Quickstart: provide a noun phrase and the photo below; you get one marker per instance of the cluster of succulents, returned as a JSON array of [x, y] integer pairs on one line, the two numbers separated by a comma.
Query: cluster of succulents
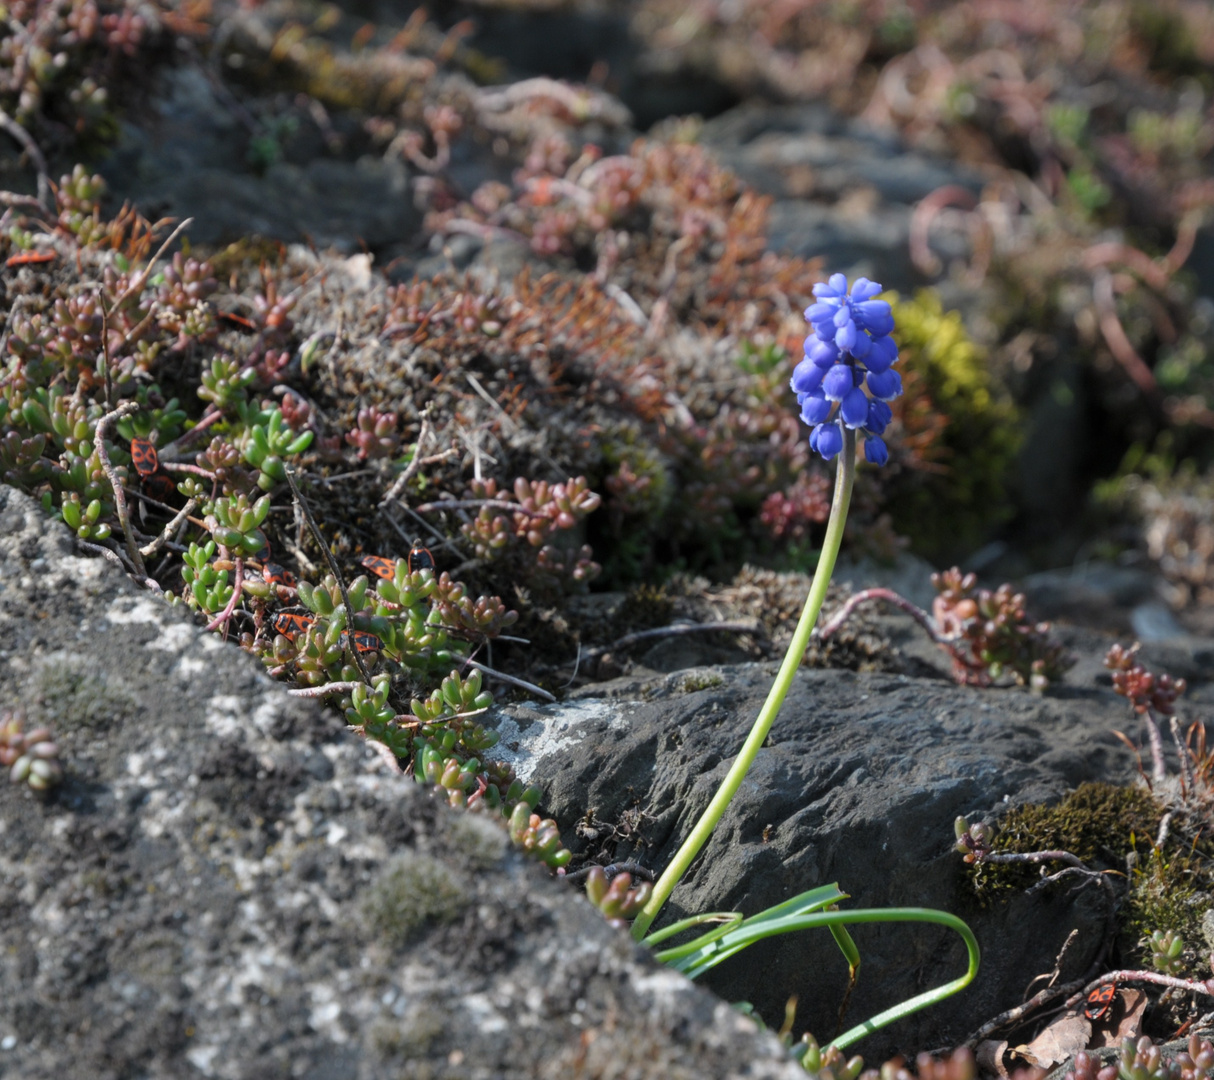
[[992, 636], [1173, 507], [616, 897], [1144, 1059], [1150, 695], [32, 757], [830, 1064], [61, 65], [543, 510], [1145, 691]]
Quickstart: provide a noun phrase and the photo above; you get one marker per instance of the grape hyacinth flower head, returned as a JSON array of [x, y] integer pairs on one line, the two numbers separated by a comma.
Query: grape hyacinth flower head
[[847, 374]]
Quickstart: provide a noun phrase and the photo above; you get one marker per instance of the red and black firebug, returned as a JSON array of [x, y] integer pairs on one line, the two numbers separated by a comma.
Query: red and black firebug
[[364, 641], [291, 625], [1099, 1000], [277, 575], [144, 457], [379, 566]]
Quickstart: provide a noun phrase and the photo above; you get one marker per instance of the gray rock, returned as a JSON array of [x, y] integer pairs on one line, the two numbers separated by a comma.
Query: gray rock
[[228, 884], [843, 190], [859, 783], [189, 158]]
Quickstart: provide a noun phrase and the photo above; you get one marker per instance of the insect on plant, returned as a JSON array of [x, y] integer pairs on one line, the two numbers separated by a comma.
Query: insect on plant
[[1099, 1000], [291, 625], [379, 566], [420, 558]]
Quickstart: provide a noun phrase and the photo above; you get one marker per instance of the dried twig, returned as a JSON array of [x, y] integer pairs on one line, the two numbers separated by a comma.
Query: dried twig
[[674, 630], [1115, 336], [325, 690], [385, 753], [410, 470], [522, 684], [1186, 766], [8, 124], [149, 550], [1206, 987], [1034, 857], [476, 504], [124, 519], [1011, 1016]]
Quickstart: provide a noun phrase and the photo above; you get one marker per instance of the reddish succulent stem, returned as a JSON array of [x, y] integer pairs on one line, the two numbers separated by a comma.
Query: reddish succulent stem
[[917, 613], [181, 467], [1145, 976], [197, 429], [237, 584]]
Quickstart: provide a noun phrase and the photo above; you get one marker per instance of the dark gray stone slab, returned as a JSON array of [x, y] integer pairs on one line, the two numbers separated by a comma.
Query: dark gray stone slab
[[859, 783]]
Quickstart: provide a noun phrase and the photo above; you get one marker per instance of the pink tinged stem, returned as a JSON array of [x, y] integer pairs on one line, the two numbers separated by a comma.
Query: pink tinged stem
[[222, 618]]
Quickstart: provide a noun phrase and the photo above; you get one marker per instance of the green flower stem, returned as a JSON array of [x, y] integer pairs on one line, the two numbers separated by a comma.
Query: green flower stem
[[844, 478]]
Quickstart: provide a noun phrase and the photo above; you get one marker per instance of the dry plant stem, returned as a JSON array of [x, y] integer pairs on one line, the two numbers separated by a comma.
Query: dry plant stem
[[673, 631], [921, 222], [1165, 824], [844, 479], [324, 691], [237, 584], [386, 755], [8, 124], [1158, 769], [144, 276], [1115, 336], [1035, 857], [1186, 770], [167, 532], [476, 504], [12, 198], [920, 616], [917, 613], [334, 569], [1144, 976], [408, 720], [507, 419], [522, 684], [1011, 1016], [189, 436], [105, 553], [1101, 879], [410, 470], [124, 519]]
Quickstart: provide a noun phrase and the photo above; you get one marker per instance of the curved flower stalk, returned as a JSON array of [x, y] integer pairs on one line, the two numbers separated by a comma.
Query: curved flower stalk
[[848, 357], [843, 385]]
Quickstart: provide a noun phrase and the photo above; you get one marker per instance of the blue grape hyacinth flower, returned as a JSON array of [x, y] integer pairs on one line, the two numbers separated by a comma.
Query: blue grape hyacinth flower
[[847, 376]]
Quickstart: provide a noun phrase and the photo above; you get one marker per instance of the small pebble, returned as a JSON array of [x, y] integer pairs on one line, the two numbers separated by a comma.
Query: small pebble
[[8, 1042]]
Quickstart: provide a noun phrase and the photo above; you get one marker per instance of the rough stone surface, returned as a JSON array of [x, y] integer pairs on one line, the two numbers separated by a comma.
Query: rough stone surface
[[229, 885], [859, 783], [188, 157], [843, 190]]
